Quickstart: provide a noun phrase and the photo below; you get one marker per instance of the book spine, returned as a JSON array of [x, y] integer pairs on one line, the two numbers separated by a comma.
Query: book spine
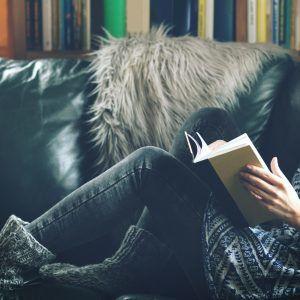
[[297, 25], [252, 21], [29, 6], [55, 24], [47, 27], [86, 24], [282, 11], [224, 29], [69, 37], [293, 21], [275, 18], [210, 15], [288, 23], [38, 25], [201, 18], [269, 21], [262, 21], [115, 17], [185, 17], [61, 25], [241, 20], [137, 16], [76, 19]]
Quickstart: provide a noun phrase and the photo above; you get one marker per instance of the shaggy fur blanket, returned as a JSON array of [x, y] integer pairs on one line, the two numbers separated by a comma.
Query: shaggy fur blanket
[[147, 85]]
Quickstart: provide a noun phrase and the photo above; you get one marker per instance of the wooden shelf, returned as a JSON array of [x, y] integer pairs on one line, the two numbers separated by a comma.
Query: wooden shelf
[[32, 54]]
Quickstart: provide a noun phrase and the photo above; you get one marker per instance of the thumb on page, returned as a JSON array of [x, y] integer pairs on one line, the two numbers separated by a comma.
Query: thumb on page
[[275, 167]]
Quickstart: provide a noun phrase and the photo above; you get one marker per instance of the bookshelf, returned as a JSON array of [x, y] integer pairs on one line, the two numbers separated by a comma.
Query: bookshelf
[[13, 25]]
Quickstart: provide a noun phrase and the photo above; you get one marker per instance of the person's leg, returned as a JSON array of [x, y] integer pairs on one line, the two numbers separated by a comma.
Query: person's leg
[[213, 124]]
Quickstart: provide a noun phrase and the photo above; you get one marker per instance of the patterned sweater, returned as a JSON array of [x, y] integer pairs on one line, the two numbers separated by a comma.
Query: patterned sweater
[[261, 262]]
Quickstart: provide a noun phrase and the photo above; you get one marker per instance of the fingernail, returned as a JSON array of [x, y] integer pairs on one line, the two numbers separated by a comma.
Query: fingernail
[[249, 167]]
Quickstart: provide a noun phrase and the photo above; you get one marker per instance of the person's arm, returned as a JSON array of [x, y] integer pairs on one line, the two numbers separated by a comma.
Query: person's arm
[[273, 191]]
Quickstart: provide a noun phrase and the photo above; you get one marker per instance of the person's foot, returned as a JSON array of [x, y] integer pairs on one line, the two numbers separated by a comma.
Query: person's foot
[[131, 269]]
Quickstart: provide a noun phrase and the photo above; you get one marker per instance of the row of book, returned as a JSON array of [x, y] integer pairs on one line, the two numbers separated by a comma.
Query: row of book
[[70, 24], [58, 24]]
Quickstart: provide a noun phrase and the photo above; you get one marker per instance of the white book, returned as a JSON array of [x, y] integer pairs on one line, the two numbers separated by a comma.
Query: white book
[[86, 12], [47, 25], [225, 162], [209, 22], [252, 20], [297, 26]]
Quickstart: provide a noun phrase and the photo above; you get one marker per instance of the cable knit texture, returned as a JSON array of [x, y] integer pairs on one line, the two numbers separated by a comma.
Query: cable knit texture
[[296, 181], [19, 252], [131, 269]]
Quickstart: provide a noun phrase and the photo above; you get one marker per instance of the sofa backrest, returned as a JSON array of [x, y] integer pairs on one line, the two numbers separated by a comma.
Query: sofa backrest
[[46, 150]]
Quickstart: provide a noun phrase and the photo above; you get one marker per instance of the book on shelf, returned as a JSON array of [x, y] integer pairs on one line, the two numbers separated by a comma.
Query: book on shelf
[[297, 25], [224, 29], [252, 21], [115, 17], [137, 16], [241, 20], [162, 12], [222, 166], [202, 18], [47, 25], [262, 21], [209, 25]]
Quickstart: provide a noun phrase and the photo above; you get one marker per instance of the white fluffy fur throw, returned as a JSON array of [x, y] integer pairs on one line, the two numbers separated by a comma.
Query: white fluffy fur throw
[[147, 85]]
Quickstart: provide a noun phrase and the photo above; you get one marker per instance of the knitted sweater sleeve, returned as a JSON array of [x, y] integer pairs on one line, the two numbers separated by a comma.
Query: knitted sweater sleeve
[[296, 181]]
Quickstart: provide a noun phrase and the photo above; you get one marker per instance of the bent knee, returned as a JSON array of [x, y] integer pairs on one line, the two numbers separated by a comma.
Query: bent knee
[[211, 113], [152, 157]]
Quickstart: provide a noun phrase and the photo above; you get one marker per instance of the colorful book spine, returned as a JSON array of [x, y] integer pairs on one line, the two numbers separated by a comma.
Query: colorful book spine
[[69, 32], [47, 25], [162, 12], [275, 19], [61, 25], [77, 23], [288, 23], [269, 21], [293, 22], [115, 17], [210, 14], [86, 24], [262, 23], [29, 6], [38, 28], [185, 17], [202, 18], [137, 16], [282, 21], [241, 20], [55, 24], [224, 20], [252, 21], [297, 25]]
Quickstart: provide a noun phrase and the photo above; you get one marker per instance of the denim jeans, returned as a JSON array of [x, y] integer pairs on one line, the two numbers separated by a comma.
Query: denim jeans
[[172, 188]]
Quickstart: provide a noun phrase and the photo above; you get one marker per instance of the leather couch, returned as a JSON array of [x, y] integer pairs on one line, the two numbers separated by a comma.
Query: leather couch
[[45, 149]]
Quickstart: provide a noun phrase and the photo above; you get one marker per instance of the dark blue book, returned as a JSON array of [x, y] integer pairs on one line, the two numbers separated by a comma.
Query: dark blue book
[[275, 16], [162, 12], [282, 21], [61, 26], [69, 29], [224, 20], [185, 17]]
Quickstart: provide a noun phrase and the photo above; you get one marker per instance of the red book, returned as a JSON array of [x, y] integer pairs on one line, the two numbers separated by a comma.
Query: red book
[[241, 20]]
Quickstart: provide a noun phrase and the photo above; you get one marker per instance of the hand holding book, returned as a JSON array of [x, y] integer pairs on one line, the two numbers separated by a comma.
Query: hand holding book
[[273, 191], [260, 194]]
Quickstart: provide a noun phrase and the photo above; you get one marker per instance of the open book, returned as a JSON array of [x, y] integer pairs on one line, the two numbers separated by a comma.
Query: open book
[[226, 161]]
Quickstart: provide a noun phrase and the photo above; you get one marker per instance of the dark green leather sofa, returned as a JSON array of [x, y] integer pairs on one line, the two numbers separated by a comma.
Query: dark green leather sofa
[[45, 149]]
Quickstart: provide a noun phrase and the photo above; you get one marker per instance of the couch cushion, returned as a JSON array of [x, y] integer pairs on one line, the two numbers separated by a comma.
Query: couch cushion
[[41, 154]]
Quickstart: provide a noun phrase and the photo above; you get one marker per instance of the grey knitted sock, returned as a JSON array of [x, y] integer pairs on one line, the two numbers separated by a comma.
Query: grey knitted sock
[[19, 252], [131, 269]]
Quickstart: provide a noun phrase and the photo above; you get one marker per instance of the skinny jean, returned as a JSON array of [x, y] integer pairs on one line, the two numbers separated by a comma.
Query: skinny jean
[[172, 190]]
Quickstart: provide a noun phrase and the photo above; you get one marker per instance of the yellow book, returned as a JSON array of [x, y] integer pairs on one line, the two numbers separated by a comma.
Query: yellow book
[[202, 18], [262, 21], [222, 166]]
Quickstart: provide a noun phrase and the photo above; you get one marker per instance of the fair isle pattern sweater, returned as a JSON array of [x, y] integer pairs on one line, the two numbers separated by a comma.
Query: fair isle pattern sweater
[[261, 262]]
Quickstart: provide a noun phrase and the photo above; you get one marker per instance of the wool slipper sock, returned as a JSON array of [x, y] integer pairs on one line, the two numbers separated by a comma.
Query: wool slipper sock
[[131, 269], [19, 252]]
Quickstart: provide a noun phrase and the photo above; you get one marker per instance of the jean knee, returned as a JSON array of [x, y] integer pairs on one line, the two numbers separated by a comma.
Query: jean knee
[[151, 157]]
